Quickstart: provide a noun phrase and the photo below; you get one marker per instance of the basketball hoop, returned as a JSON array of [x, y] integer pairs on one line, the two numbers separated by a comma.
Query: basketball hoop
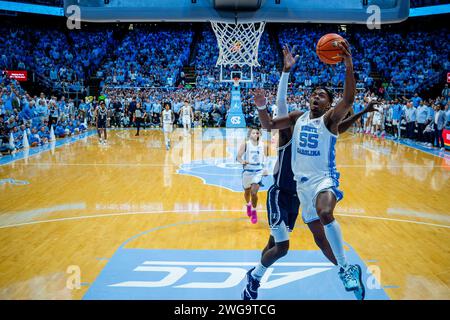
[[236, 81], [238, 44]]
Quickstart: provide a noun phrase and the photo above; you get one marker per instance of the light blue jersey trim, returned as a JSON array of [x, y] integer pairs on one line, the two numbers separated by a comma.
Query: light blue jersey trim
[[332, 160]]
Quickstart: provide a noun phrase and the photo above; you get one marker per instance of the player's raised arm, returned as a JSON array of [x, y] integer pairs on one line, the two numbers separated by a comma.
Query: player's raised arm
[[347, 123], [334, 116], [288, 62], [266, 121]]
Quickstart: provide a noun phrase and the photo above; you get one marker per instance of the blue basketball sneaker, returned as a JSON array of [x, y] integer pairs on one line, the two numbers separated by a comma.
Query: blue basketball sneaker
[[360, 292], [348, 278], [352, 280], [251, 289]]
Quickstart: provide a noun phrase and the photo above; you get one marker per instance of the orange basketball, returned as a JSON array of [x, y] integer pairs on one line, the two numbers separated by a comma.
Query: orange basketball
[[327, 48]]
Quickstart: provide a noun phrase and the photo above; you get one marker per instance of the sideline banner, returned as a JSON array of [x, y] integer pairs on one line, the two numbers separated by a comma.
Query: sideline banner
[[19, 75]]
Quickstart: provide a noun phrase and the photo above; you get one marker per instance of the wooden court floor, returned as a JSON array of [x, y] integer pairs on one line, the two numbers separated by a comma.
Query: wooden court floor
[[80, 202]]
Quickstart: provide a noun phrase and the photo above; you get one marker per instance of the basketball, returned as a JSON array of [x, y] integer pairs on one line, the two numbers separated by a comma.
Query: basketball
[[327, 48]]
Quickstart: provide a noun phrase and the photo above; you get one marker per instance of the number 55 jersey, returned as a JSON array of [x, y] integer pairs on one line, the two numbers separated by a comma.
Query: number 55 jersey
[[314, 163]]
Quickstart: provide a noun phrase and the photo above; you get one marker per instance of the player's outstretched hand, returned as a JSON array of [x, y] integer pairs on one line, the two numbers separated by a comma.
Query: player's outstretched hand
[[346, 53], [260, 98], [288, 58]]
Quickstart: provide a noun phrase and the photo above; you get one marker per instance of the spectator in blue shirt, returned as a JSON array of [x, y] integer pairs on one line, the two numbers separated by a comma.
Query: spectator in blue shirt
[[416, 100], [422, 120], [43, 134], [34, 139], [397, 111], [410, 117]]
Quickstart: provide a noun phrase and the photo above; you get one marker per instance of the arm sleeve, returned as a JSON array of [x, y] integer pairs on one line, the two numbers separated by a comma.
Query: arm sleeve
[[282, 93]]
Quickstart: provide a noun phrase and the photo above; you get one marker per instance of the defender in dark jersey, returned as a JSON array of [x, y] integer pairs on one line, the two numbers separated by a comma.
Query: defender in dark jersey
[[102, 115], [282, 200]]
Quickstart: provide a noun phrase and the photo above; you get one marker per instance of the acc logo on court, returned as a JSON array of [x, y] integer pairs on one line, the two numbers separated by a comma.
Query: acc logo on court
[[236, 120], [216, 275], [219, 275]]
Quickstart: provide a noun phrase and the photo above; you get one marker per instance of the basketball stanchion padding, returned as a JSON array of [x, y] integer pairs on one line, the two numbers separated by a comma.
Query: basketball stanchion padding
[[11, 140], [52, 134], [25, 143], [52, 147]]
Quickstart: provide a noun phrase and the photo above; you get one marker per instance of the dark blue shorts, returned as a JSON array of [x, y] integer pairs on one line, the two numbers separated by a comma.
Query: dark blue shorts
[[282, 206], [101, 124]]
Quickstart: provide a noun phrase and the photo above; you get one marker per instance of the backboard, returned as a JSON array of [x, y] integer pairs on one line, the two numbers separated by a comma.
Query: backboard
[[279, 11]]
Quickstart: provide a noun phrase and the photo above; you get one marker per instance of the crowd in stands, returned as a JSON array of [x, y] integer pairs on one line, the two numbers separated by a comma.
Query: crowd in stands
[[15, 49], [145, 66], [68, 60], [61, 61], [413, 118], [154, 57], [89, 49], [53, 59], [147, 58], [205, 60], [210, 106], [408, 62], [410, 119], [22, 114], [310, 71]]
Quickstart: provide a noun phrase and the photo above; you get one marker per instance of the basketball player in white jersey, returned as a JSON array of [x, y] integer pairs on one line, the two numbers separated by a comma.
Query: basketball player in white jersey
[[167, 118], [282, 200], [187, 115], [314, 166], [376, 119], [251, 155]]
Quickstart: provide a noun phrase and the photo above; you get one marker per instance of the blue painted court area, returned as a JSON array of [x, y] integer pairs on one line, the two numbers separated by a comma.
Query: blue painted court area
[[224, 173], [133, 274], [26, 153]]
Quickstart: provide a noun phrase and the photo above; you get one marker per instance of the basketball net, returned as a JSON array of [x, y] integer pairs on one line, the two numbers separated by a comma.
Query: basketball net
[[238, 42]]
